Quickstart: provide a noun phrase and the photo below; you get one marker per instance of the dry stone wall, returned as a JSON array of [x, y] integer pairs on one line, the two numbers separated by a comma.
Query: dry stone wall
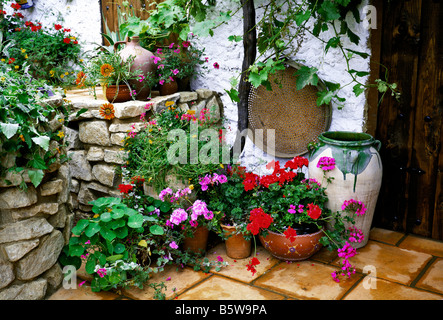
[[35, 225], [96, 145]]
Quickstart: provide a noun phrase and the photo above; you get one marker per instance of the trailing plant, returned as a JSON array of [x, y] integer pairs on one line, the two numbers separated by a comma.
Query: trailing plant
[[31, 127], [52, 52], [174, 142]]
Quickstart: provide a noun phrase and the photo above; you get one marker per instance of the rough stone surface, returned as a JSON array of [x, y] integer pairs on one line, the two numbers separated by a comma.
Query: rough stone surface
[[95, 154], [24, 230], [42, 258], [115, 156], [118, 138], [34, 290], [51, 187], [72, 139], [6, 274], [41, 208], [105, 174], [16, 251], [80, 167], [129, 109], [94, 132], [13, 198], [187, 96]]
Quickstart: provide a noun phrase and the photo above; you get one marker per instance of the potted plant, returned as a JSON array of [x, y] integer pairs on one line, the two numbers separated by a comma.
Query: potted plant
[[290, 215], [113, 73], [224, 192], [175, 65]]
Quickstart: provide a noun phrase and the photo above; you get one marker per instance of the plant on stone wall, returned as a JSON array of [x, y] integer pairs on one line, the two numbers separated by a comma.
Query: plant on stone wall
[[153, 152], [31, 130], [51, 53]]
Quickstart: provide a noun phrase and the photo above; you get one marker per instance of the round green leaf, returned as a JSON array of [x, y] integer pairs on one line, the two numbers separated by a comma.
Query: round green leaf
[[119, 248], [135, 221], [156, 230]]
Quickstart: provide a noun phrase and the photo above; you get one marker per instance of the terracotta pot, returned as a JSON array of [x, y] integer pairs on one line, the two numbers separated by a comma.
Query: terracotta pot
[[237, 247], [143, 61], [198, 242], [357, 174], [168, 88], [302, 248], [120, 93]]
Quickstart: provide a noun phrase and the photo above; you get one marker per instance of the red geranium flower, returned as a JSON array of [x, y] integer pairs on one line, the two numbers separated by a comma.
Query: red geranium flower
[[11, 60], [250, 181], [251, 265], [259, 220], [16, 6], [290, 234], [124, 188], [57, 26], [66, 40], [314, 211]]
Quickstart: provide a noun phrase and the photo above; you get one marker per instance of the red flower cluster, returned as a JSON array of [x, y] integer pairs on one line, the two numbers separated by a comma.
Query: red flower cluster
[[124, 188], [33, 27], [137, 180], [251, 265], [16, 6], [290, 234], [11, 60], [259, 220], [250, 181], [296, 163], [314, 211], [57, 26], [67, 40]]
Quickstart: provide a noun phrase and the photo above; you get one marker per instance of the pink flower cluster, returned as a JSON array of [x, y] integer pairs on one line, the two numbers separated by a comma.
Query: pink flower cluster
[[326, 163], [101, 272], [355, 206], [199, 208], [178, 216], [293, 209], [208, 180], [174, 196]]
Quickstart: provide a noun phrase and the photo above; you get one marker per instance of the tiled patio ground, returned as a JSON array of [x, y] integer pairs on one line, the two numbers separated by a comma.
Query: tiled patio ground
[[392, 266]]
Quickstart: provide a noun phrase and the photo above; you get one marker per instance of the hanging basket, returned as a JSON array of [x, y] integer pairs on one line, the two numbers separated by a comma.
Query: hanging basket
[[292, 113]]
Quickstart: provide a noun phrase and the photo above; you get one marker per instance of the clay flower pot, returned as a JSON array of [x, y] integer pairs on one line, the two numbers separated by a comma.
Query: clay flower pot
[[198, 242], [237, 247], [168, 88], [303, 247], [120, 93]]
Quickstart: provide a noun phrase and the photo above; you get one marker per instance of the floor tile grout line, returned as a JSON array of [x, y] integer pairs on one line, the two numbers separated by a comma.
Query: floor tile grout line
[[423, 271]]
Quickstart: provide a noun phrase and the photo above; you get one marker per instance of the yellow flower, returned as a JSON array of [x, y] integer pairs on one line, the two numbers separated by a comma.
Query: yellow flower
[[169, 103], [96, 216], [2, 79], [23, 50], [221, 165], [143, 243], [2, 60], [190, 112], [191, 187], [107, 111], [61, 120], [26, 56], [61, 76], [66, 73], [16, 67], [52, 72], [106, 70], [22, 138], [150, 141], [61, 134]]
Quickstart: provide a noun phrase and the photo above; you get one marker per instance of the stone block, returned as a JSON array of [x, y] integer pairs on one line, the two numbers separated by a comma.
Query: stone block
[[15, 251], [40, 208], [95, 154], [94, 132], [187, 96], [41, 258], [6, 274], [34, 290], [80, 167], [51, 187], [104, 174], [204, 93], [115, 156], [118, 138], [13, 198], [24, 230], [72, 139]]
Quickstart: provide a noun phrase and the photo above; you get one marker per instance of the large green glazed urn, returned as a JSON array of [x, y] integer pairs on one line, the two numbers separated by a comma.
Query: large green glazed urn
[[357, 174]]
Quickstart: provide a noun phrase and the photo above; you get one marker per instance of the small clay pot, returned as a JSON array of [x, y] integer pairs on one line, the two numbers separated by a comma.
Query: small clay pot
[[120, 93], [237, 247], [198, 242]]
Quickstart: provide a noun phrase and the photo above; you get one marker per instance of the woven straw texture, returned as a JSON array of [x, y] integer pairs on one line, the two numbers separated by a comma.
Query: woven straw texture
[[292, 113]]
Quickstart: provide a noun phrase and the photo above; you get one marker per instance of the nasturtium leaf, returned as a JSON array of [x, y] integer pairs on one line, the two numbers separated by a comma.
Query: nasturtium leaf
[[92, 229], [105, 216], [156, 230], [135, 221], [80, 226], [107, 233], [119, 248]]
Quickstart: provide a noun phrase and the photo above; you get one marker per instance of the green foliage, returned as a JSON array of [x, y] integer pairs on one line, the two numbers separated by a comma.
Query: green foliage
[[52, 52], [25, 131]]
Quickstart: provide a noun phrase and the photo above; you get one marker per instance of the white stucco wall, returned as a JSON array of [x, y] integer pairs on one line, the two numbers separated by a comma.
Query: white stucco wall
[[83, 17], [331, 67]]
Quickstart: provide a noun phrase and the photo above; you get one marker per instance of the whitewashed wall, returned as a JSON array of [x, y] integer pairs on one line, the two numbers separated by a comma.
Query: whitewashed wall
[[83, 17], [331, 66]]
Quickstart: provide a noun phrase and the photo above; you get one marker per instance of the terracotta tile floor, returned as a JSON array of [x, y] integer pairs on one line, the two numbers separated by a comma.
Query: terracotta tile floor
[[392, 266]]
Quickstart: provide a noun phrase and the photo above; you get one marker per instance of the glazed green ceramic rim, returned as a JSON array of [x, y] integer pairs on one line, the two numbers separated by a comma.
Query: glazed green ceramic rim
[[346, 138]]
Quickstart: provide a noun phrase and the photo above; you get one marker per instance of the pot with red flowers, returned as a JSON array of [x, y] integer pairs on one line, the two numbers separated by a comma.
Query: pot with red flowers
[[290, 216]]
